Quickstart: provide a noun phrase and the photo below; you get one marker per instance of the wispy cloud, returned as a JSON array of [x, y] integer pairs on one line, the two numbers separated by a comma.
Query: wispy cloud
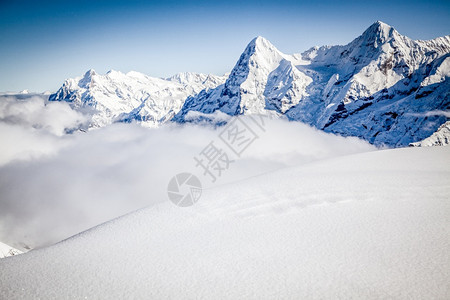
[[31, 127], [432, 113]]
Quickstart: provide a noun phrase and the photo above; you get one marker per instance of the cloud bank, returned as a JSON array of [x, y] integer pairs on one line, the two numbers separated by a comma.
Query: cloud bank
[[30, 126], [54, 185]]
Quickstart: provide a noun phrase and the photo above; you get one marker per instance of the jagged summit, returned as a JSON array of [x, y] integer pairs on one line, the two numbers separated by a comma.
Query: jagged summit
[[380, 28], [260, 43], [378, 33], [381, 25], [244, 89], [89, 73], [87, 78], [261, 49], [113, 72]]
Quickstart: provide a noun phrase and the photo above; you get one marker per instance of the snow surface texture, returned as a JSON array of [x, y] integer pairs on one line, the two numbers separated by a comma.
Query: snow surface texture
[[364, 226], [6, 251], [380, 87]]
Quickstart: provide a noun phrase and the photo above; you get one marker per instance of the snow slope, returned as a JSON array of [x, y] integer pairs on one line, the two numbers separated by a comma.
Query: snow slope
[[364, 226], [119, 97]]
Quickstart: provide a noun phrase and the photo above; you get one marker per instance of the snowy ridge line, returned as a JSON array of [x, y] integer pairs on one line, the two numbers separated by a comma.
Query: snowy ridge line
[[119, 97]]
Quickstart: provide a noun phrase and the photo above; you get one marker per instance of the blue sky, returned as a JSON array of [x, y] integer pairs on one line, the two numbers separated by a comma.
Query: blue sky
[[45, 42]]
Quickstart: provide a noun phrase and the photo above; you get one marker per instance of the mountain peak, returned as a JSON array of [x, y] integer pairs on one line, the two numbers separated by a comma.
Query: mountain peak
[[259, 52], [259, 39], [378, 33], [261, 48], [87, 78], [112, 71], [259, 43], [90, 73], [380, 24]]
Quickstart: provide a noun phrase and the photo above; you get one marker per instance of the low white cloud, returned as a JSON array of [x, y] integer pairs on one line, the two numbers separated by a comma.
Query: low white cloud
[[432, 113], [35, 112], [31, 127], [444, 113], [69, 183]]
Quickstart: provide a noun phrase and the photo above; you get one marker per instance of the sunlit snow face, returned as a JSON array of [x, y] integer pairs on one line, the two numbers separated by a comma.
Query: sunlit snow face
[[55, 185]]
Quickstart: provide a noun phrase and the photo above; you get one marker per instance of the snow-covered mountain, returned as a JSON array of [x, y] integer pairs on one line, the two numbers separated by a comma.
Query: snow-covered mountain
[[263, 79], [132, 96], [381, 87], [6, 251], [378, 87], [440, 138]]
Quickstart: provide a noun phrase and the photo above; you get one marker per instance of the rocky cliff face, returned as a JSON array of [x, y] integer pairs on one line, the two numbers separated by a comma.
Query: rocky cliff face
[[440, 138]]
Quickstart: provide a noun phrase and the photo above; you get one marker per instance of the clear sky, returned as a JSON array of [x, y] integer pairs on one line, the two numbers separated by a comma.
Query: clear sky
[[44, 42]]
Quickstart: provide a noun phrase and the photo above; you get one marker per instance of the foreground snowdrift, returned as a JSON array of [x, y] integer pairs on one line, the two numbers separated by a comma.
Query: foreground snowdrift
[[371, 225]]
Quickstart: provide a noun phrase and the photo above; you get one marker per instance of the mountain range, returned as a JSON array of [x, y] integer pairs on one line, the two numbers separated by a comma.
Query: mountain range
[[382, 87]]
